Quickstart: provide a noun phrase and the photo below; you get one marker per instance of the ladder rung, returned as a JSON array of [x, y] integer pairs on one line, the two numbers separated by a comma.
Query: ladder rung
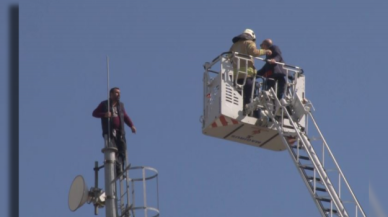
[[304, 157], [320, 189], [328, 211], [316, 179], [324, 199], [300, 147], [306, 167]]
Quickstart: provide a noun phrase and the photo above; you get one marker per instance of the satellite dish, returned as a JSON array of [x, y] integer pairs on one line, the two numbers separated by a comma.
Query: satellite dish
[[78, 194]]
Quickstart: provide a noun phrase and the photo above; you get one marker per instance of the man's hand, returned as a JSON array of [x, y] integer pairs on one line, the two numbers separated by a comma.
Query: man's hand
[[271, 61], [133, 129], [108, 115], [268, 52]]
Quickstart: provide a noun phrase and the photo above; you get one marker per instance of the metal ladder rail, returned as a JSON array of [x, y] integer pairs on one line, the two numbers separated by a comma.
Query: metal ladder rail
[[117, 200], [122, 205], [313, 183], [118, 192], [240, 87], [334, 197], [313, 180], [341, 174], [124, 191], [121, 195], [316, 163], [125, 208], [300, 170], [126, 171], [337, 169], [239, 71]]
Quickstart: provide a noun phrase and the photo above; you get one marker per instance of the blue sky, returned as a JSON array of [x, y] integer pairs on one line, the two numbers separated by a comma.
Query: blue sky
[[156, 51]]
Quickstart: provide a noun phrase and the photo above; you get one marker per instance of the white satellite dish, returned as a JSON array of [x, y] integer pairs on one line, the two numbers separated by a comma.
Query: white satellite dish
[[78, 194]]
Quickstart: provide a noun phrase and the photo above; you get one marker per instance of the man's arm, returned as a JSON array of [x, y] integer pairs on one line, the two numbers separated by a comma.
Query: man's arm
[[98, 112], [128, 121], [252, 50]]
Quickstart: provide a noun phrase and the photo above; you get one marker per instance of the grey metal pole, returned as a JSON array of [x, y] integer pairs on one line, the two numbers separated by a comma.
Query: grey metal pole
[[95, 184], [107, 68], [109, 161]]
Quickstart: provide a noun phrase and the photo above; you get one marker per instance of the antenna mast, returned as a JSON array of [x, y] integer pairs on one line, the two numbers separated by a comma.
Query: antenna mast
[[107, 68], [109, 162], [115, 205]]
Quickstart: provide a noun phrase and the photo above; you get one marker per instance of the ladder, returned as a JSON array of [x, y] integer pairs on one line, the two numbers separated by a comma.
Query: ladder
[[125, 192], [316, 165], [122, 184]]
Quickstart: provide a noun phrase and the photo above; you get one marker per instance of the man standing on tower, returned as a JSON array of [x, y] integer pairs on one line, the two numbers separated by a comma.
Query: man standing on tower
[[117, 117]]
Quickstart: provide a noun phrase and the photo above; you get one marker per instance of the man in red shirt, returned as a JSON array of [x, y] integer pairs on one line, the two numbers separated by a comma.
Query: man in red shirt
[[115, 117]]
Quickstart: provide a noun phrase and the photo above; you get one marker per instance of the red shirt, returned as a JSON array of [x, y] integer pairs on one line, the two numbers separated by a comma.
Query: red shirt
[[99, 113]]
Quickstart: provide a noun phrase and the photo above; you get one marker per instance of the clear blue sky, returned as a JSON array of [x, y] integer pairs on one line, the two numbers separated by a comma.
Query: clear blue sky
[[156, 51]]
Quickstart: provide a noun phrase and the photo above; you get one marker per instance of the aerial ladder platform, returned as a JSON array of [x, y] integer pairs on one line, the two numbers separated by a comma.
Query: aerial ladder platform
[[276, 125]]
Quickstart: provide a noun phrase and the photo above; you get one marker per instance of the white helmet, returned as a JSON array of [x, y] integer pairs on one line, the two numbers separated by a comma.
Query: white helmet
[[250, 32]]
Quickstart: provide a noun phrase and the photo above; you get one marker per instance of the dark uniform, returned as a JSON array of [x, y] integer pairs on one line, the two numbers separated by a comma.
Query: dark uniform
[[274, 72]]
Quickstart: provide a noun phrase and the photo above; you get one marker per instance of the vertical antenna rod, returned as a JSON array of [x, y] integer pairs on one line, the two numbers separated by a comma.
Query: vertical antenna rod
[[109, 160], [107, 66]]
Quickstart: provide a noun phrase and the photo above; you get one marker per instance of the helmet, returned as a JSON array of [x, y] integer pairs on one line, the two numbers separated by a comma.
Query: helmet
[[250, 32]]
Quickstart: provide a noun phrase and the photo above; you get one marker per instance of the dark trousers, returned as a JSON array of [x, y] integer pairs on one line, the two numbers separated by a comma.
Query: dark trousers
[[118, 141], [271, 82], [249, 84], [247, 90]]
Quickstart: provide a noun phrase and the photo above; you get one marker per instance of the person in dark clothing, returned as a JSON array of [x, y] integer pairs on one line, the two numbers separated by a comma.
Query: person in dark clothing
[[115, 117], [271, 71]]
